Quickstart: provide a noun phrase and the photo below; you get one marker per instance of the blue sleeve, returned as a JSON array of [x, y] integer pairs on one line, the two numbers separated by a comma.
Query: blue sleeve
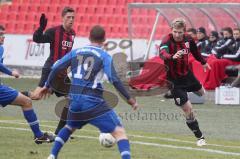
[[5, 70], [64, 62], [1, 54], [113, 78]]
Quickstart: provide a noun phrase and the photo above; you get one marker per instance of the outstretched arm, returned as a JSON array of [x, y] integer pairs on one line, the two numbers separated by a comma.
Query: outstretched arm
[[113, 78], [7, 71], [196, 54], [64, 62]]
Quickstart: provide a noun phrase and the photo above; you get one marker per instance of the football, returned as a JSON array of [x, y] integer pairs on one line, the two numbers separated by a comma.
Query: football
[[107, 140]]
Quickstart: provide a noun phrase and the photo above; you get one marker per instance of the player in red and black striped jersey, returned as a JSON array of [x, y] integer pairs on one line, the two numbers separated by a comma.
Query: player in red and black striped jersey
[[174, 50], [61, 40], [181, 49]]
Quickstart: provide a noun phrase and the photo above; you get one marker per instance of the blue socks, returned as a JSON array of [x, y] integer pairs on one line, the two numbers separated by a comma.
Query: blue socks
[[64, 134], [32, 120], [124, 149], [60, 140]]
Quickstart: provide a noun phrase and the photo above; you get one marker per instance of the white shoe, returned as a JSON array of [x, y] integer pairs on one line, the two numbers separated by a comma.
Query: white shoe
[[51, 157], [201, 142]]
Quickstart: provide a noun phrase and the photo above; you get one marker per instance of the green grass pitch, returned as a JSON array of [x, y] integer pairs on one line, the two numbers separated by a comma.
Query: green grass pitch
[[156, 131]]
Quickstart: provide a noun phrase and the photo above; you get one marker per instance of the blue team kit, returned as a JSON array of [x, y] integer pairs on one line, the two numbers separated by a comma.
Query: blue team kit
[[88, 66], [8, 94]]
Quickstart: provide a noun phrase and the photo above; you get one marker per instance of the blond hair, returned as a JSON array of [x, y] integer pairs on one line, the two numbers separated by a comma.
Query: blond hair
[[178, 23]]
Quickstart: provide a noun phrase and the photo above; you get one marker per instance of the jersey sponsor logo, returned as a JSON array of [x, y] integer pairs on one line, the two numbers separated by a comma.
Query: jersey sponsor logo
[[187, 45], [67, 43]]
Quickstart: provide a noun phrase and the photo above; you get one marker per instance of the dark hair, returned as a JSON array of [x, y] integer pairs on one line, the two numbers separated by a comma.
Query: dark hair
[[2, 27], [228, 29], [66, 10], [202, 30], [97, 34], [215, 34], [193, 30], [238, 29]]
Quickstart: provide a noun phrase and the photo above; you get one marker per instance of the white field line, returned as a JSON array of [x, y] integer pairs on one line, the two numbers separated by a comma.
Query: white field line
[[14, 128], [187, 148], [21, 122], [181, 141], [24, 121], [147, 143], [24, 77]]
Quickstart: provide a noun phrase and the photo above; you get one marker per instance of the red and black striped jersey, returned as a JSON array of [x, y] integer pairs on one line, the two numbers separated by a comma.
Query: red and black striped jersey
[[178, 67], [61, 42]]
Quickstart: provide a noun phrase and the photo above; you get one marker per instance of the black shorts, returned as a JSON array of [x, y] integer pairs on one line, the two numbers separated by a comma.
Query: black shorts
[[59, 87], [182, 85], [44, 76]]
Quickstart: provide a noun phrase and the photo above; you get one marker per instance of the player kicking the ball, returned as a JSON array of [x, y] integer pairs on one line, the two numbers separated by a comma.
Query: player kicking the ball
[[87, 106]]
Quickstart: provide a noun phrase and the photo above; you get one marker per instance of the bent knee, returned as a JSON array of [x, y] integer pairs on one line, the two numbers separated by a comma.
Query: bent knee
[[26, 102], [119, 133], [181, 101]]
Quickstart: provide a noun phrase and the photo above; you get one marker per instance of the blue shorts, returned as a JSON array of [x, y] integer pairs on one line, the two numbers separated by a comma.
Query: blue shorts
[[8, 95], [106, 123]]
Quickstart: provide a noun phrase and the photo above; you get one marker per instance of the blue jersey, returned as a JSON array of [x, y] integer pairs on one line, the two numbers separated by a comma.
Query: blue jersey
[[4, 69], [88, 66], [1, 53], [8, 94]]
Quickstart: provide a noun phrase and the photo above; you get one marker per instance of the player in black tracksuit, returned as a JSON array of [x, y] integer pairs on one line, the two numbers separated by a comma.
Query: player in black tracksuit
[[213, 39], [224, 46], [61, 40], [235, 47], [202, 40]]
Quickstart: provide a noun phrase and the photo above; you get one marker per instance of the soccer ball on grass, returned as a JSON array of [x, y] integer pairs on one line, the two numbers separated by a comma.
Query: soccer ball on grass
[[107, 140]]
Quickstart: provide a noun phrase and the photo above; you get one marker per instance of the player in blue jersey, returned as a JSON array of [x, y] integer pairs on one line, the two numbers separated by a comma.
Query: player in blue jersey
[[11, 96], [87, 106], [2, 37]]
